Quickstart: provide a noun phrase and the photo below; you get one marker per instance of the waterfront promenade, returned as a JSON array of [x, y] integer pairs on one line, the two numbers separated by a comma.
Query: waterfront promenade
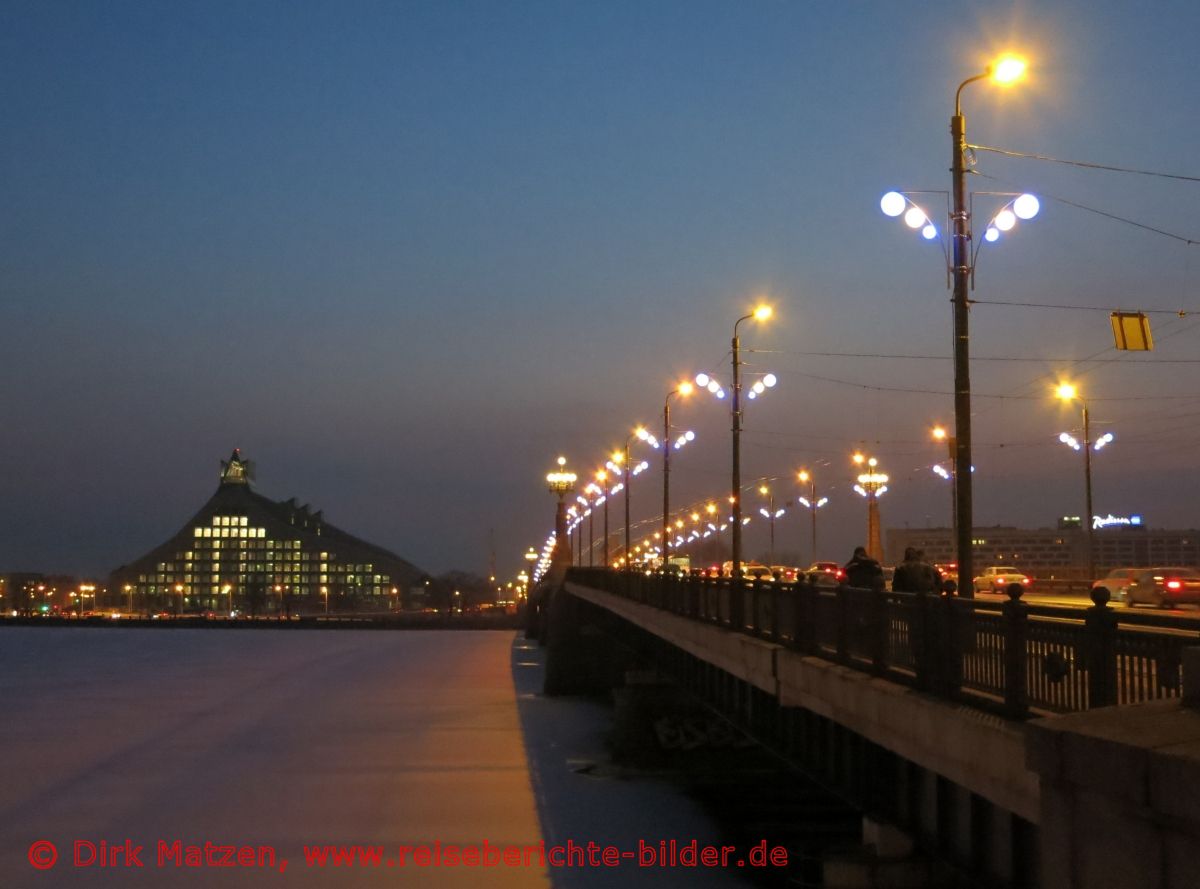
[[286, 740]]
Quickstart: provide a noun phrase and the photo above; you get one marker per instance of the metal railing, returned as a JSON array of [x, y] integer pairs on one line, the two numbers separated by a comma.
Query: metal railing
[[1010, 657]]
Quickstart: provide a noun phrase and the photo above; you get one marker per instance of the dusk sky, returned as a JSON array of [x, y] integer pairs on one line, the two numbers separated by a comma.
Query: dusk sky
[[404, 254]]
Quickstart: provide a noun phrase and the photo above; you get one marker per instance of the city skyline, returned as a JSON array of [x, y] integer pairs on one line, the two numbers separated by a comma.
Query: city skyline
[[406, 257]]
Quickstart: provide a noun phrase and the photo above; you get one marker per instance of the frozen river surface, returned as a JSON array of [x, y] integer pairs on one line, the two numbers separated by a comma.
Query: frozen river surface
[[285, 740]]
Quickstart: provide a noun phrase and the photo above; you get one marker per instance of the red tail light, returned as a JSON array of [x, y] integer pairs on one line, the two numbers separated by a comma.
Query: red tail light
[[1174, 585]]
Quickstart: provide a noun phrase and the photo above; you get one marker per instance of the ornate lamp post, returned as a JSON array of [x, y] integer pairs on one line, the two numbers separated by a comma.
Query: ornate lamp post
[[561, 483], [872, 484]]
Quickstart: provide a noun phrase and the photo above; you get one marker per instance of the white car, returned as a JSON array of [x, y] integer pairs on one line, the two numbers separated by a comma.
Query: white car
[[997, 578]]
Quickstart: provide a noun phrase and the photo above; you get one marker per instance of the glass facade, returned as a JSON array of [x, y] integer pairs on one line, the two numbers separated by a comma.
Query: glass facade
[[247, 553]]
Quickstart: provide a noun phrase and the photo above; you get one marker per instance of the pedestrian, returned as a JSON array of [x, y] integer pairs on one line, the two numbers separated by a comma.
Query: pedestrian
[[915, 575], [862, 570], [933, 577], [906, 579]]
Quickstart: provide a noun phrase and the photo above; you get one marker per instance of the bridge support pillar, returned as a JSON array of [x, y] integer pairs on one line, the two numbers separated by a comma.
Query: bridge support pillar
[[580, 659]]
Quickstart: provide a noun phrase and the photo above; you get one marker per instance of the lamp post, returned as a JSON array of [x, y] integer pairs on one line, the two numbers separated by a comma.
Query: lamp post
[[531, 558], [770, 514], [592, 490], [1005, 70], [683, 390], [812, 503], [621, 463], [561, 482], [939, 434], [1067, 392], [762, 313], [872, 484], [602, 477]]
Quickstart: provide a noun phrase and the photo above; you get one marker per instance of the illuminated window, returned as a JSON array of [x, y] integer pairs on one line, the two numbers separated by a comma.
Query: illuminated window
[[243, 521]]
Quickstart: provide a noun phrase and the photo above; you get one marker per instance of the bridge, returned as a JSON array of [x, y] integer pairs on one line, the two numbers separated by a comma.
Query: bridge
[[1026, 745]]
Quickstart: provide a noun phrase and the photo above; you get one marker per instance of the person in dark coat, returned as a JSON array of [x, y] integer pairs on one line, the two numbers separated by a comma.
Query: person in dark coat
[[862, 570], [914, 574]]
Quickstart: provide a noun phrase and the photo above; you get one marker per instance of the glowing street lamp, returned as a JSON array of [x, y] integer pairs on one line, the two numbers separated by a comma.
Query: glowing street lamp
[[561, 482], [770, 513], [621, 463], [683, 390], [1005, 70], [872, 484], [706, 381], [602, 478], [811, 503], [1067, 392]]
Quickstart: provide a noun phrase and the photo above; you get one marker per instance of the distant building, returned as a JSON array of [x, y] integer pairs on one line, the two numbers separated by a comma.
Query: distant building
[[245, 551], [1056, 552]]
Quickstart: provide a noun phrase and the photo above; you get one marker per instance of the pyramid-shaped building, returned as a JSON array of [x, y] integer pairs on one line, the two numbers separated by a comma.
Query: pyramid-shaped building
[[243, 551]]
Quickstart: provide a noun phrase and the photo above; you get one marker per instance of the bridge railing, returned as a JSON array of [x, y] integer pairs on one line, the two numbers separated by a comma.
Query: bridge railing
[[1009, 656]]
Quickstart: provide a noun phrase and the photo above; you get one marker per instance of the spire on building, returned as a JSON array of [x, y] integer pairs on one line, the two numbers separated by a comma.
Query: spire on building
[[235, 470]]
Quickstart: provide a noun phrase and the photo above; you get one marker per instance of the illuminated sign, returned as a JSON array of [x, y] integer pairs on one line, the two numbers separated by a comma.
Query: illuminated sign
[[1107, 521]]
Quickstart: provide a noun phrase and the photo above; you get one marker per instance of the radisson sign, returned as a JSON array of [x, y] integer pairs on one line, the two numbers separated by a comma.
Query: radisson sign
[[1110, 520]]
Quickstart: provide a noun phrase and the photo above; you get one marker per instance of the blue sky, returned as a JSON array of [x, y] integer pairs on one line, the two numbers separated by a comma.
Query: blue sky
[[404, 254]]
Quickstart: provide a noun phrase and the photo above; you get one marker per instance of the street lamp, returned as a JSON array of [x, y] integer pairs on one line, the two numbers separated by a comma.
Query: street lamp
[[939, 433], [561, 482], [812, 503], [531, 558], [770, 514], [683, 390], [762, 313], [622, 463], [1067, 392], [1005, 70], [602, 477], [872, 484]]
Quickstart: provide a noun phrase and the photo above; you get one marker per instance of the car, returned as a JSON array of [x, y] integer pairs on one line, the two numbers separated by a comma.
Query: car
[[1117, 582], [756, 571], [751, 570], [948, 571], [1163, 587], [826, 574], [998, 578], [784, 573]]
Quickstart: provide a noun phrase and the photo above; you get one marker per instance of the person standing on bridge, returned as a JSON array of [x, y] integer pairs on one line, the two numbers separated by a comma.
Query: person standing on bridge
[[862, 570], [915, 575]]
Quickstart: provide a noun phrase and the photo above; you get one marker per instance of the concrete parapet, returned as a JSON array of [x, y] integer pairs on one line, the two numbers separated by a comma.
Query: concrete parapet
[[1120, 797]]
